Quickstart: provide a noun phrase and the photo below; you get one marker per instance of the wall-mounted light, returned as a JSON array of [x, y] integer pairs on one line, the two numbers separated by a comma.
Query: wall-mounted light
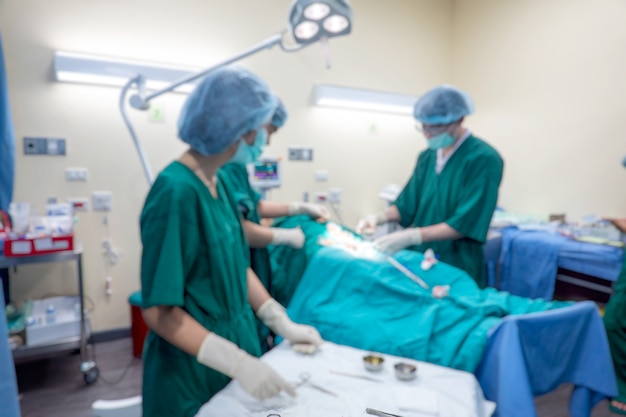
[[92, 69], [360, 99]]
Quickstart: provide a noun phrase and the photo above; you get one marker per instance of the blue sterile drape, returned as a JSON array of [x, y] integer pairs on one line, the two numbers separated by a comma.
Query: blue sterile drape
[[7, 140], [9, 406]]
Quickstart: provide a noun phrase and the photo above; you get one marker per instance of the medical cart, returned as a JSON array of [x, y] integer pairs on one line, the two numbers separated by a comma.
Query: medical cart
[[27, 353]]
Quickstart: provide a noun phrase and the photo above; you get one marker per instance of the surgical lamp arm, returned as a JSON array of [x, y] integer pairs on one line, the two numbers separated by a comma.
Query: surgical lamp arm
[[142, 100]]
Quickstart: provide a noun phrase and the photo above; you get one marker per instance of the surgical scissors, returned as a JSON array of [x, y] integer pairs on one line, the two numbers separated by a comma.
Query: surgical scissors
[[305, 379]]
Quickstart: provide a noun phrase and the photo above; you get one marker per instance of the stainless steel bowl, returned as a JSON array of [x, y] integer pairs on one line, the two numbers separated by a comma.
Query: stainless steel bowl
[[405, 371], [373, 363]]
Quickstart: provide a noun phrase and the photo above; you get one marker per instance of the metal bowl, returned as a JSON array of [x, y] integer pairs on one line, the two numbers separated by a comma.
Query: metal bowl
[[405, 371], [373, 363]]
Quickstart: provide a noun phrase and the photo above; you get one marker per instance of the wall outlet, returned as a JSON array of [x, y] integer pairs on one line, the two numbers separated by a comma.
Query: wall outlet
[[101, 200], [300, 153], [76, 174]]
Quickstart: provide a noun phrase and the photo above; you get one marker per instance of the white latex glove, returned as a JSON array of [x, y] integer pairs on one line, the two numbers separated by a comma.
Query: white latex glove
[[256, 377], [367, 225], [314, 211], [396, 241], [303, 338], [290, 237]]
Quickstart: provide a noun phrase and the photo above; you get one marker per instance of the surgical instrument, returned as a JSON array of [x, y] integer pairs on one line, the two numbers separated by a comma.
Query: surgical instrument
[[367, 378], [380, 413], [305, 379], [407, 272]]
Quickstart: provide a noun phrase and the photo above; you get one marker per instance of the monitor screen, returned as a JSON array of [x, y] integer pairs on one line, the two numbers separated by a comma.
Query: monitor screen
[[266, 170]]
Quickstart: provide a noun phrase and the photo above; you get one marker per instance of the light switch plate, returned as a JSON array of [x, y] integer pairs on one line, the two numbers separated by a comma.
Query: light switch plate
[[76, 174]]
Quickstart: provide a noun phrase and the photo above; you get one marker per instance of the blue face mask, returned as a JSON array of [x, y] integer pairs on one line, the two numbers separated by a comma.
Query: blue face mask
[[443, 140], [247, 154]]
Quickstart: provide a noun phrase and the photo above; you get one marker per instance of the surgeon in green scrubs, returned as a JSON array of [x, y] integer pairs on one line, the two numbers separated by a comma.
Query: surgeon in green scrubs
[[199, 295], [449, 201], [615, 324], [254, 209]]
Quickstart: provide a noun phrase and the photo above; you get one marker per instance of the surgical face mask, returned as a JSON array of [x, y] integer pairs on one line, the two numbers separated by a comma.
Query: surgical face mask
[[247, 154], [442, 140]]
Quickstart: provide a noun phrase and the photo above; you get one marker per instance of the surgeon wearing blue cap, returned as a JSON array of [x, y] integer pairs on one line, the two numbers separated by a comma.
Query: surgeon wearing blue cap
[[253, 210], [449, 201], [199, 297]]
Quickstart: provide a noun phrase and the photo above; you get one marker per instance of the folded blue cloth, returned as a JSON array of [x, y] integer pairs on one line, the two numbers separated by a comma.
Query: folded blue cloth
[[529, 261], [599, 261], [532, 354]]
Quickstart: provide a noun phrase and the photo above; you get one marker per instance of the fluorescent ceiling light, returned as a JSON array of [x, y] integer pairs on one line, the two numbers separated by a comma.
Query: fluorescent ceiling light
[[359, 99], [91, 69]]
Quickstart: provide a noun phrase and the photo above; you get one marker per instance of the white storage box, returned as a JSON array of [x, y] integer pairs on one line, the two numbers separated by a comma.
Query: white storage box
[[53, 320]]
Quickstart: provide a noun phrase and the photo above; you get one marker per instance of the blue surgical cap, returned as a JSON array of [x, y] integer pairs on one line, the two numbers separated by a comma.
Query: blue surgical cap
[[228, 103], [443, 105], [280, 115]]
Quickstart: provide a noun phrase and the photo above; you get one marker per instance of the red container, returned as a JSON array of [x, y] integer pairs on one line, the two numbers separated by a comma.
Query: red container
[[138, 328], [38, 246]]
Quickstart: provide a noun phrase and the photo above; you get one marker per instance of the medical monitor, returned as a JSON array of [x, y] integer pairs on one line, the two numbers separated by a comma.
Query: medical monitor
[[265, 173]]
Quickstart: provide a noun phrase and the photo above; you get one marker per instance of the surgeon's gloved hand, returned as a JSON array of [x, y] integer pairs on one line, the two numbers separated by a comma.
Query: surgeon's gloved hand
[[314, 211], [367, 225], [256, 377], [396, 241], [289, 237], [303, 338]]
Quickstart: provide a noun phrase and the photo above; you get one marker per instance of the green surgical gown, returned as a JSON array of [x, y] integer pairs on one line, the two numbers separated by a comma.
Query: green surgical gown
[[194, 257], [463, 195], [247, 200], [615, 324]]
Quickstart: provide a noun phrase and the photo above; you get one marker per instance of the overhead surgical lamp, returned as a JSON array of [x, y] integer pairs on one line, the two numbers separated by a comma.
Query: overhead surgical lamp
[[313, 20], [310, 21]]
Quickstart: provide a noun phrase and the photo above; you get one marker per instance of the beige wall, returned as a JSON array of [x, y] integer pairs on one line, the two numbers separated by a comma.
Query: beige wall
[[397, 45], [548, 80]]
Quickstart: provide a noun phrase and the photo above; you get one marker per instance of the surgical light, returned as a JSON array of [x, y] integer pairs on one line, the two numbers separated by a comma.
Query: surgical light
[[306, 30], [330, 17], [316, 11], [336, 24]]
